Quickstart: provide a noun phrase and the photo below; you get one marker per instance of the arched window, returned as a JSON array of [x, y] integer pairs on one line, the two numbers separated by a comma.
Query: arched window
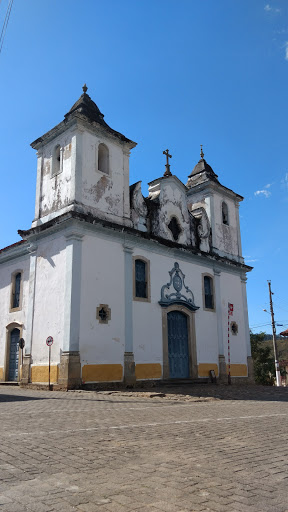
[[208, 292], [103, 158], [141, 279], [16, 290], [56, 163], [225, 218]]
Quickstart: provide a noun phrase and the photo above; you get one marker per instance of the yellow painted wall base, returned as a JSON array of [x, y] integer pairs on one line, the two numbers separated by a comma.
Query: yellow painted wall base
[[1, 373], [102, 372], [41, 374], [148, 371], [237, 370], [204, 368]]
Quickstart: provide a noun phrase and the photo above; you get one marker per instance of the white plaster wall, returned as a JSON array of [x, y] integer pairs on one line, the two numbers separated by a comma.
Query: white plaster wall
[[232, 293], [6, 318], [105, 192], [147, 317], [49, 299], [102, 283], [226, 237], [55, 191]]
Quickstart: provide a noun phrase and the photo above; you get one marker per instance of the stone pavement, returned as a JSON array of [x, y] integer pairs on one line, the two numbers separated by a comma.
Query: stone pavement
[[200, 448]]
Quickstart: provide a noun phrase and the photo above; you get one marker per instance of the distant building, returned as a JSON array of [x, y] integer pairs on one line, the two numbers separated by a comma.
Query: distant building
[[130, 288]]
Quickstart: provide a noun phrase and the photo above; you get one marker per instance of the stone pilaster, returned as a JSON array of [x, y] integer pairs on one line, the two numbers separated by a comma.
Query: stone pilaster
[[129, 363], [129, 369], [222, 377], [70, 365], [250, 365], [70, 370], [26, 370]]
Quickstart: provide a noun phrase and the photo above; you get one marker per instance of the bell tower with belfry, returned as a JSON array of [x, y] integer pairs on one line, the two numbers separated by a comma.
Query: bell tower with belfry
[[83, 166]]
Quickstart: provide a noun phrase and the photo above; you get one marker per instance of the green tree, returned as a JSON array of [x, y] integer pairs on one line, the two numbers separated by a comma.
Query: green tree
[[264, 365]]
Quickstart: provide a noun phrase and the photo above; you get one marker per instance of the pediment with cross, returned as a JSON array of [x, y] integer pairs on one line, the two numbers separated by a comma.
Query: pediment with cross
[[176, 291]]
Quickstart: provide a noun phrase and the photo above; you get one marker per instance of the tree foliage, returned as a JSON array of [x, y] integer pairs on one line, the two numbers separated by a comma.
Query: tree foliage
[[264, 365]]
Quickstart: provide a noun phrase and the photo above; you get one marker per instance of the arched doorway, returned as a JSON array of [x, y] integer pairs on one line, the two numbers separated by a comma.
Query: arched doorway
[[178, 349], [13, 355], [178, 328]]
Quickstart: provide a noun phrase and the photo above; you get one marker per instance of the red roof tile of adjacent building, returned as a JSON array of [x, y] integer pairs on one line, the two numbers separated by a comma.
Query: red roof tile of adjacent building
[[284, 333], [12, 245]]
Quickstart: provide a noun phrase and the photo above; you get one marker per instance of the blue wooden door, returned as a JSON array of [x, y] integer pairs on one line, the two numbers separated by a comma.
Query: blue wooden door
[[14, 354], [178, 352]]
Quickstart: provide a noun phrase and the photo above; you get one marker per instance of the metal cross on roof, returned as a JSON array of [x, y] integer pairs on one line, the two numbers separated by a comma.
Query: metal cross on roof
[[167, 165], [201, 152]]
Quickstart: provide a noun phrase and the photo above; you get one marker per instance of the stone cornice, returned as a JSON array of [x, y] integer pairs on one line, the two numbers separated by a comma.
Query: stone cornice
[[131, 235]]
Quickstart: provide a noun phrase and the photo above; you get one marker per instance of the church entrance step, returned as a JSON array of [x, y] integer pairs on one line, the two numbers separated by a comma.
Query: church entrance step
[[184, 382], [9, 383]]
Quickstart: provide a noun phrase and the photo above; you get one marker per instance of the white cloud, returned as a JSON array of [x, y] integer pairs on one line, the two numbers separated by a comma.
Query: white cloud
[[268, 8], [265, 193], [284, 181], [268, 185], [286, 50]]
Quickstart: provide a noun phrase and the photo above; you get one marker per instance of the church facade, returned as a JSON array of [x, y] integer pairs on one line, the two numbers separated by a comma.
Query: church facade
[[129, 288]]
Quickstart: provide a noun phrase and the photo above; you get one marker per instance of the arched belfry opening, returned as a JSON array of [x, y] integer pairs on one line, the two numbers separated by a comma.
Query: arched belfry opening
[[103, 158], [225, 216]]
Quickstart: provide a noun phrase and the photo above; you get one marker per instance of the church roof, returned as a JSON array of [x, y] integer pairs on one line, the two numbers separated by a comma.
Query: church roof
[[86, 106], [88, 109], [202, 166]]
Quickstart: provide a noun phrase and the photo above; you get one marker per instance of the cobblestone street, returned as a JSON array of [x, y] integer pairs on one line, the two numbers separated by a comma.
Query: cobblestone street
[[206, 448]]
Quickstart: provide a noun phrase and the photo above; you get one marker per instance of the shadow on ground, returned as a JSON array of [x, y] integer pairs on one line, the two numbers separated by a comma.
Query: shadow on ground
[[187, 391]]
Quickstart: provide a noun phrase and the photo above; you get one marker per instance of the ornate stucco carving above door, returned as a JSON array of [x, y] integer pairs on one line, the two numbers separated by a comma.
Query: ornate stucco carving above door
[[176, 292]]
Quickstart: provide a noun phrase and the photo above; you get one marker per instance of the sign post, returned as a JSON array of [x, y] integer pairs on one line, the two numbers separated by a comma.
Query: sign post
[[22, 345], [49, 343]]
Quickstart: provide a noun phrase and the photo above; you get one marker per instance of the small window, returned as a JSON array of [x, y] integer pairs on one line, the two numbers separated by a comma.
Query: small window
[[208, 293], [225, 218], [141, 280], [16, 290], [56, 164], [103, 158]]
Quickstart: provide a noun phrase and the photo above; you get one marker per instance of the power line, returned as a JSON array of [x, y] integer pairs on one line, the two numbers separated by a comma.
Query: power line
[[260, 325], [5, 24]]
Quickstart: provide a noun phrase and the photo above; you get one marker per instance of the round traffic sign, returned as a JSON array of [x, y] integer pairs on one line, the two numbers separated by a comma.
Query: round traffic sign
[[49, 341]]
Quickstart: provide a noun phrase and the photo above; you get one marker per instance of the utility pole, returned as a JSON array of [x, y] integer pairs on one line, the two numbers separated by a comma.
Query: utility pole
[[278, 378]]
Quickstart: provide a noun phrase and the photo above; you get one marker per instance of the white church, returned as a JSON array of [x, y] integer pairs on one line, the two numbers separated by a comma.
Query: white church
[[130, 288]]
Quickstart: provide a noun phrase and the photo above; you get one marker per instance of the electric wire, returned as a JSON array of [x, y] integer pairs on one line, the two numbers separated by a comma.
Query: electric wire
[[5, 23]]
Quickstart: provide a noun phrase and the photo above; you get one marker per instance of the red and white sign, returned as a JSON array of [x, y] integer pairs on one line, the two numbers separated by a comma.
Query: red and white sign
[[49, 341], [230, 309]]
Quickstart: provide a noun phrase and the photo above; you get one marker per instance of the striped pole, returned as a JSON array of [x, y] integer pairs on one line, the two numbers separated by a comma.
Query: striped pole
[[230, 313]]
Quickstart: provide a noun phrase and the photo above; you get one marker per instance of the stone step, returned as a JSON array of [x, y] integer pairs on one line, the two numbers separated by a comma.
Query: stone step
[[185, 382], [9, 383]]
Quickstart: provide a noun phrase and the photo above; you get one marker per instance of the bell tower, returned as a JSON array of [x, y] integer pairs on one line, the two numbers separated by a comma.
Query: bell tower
[[83, 165], [222, 208]]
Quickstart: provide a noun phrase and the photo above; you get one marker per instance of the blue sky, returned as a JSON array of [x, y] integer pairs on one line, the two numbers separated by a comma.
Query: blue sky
[[166, 73]]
